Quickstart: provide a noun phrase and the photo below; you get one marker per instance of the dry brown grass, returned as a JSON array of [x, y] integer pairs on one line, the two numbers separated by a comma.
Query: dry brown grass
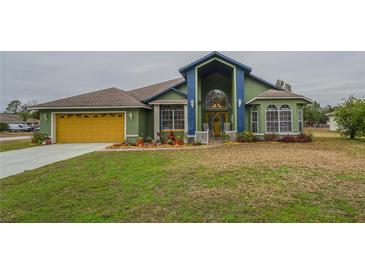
[[322, 181], [318, 154], [14, 134]]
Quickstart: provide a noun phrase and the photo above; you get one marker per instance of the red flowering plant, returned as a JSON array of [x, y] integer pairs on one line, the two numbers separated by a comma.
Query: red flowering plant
[[140, 142], [171, 136]]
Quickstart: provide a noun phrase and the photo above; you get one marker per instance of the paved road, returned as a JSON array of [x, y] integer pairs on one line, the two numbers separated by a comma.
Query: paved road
[[14, 138], [17, 161]]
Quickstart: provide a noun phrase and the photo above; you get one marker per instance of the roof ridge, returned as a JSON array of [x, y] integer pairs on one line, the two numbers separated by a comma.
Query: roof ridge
[[82, 94]]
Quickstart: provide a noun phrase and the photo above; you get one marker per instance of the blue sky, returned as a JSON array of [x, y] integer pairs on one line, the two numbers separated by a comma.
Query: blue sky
[[326, 77]]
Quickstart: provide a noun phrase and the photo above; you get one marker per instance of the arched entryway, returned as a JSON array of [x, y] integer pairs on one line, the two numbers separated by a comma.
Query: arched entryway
[[215, 90], [216, 112]]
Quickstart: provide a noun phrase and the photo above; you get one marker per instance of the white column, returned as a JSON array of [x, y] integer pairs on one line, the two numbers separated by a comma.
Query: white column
[[156, 120], [186, 119]]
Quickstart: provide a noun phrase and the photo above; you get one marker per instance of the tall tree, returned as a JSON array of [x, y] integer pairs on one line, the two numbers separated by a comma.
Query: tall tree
[[350, 117], [314, 114], [13, 107]]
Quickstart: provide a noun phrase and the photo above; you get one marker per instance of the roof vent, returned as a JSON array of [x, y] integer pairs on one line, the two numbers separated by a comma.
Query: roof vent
[[282, 85]]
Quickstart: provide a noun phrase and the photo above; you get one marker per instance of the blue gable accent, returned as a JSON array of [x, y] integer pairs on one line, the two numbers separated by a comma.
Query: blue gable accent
[[191, 97], [240, 97], [211, 55]]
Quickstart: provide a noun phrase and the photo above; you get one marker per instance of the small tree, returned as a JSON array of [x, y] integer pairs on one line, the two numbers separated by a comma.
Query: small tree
[[25, 112], [13, 107], [350, 117], [35, 114]]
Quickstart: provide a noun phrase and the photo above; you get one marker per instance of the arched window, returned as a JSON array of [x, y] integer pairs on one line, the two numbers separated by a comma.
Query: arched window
[[254, 119], [285, 119], [272, 119], [216, 100]]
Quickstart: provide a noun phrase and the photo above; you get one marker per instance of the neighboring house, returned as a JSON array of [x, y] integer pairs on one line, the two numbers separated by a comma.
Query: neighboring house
[[331, 121], [16, 119], [215, 93]]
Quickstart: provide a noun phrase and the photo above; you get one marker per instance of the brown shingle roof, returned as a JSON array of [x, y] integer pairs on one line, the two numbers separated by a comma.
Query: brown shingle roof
[[111, 97], [278, 94], [148, 92]]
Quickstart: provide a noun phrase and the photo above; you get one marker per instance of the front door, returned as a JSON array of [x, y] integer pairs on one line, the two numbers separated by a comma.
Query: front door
[[215, 121], [217, 125]]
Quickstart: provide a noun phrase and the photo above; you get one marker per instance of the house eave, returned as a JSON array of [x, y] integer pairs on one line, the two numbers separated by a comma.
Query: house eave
[[279, 98], [91, 107], [165, 91]]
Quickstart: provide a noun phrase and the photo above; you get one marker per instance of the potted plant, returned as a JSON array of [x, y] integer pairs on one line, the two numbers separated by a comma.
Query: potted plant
[[39, 137], [48, 141]]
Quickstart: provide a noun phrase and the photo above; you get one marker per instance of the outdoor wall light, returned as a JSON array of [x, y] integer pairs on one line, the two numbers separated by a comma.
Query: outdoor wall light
[[130, 115], [192, 103], [239, 103], [45, 117]]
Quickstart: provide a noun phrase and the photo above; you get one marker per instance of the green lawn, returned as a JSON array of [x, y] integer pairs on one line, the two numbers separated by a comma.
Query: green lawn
[[323, 181], [16, 144]]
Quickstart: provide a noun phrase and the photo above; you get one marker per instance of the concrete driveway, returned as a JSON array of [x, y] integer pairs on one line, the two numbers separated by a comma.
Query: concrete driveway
[[17, 161]]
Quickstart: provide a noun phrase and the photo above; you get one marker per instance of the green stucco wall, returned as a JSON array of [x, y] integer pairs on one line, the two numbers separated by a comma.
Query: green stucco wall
[[171, 95], [253, 88], [145, 123]]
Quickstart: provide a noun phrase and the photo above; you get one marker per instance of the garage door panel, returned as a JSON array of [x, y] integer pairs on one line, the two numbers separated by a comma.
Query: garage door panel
[[91, 127]]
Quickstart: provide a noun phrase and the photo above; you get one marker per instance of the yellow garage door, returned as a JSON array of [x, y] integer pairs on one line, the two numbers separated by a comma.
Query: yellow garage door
[[90, 127]]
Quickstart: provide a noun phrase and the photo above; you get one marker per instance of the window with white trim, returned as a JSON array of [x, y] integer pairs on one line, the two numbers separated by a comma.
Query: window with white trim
[[254, 119], [300, 120], [172, 117], [272, 119], [285, 119]]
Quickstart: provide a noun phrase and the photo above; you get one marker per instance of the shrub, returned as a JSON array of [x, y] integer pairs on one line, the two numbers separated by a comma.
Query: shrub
[[39, 137], [4, 127], [246, 136], [197, 143], [148, 139], [304, 137], [271, 137], [288, 139], [171, 136], [190, 140]]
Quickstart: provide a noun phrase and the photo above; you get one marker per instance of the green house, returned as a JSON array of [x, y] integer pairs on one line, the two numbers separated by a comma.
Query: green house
[[215, 95]]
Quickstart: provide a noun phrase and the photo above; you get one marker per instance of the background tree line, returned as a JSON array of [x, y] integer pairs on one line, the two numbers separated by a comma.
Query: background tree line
[[16, 107], [314, 114]]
